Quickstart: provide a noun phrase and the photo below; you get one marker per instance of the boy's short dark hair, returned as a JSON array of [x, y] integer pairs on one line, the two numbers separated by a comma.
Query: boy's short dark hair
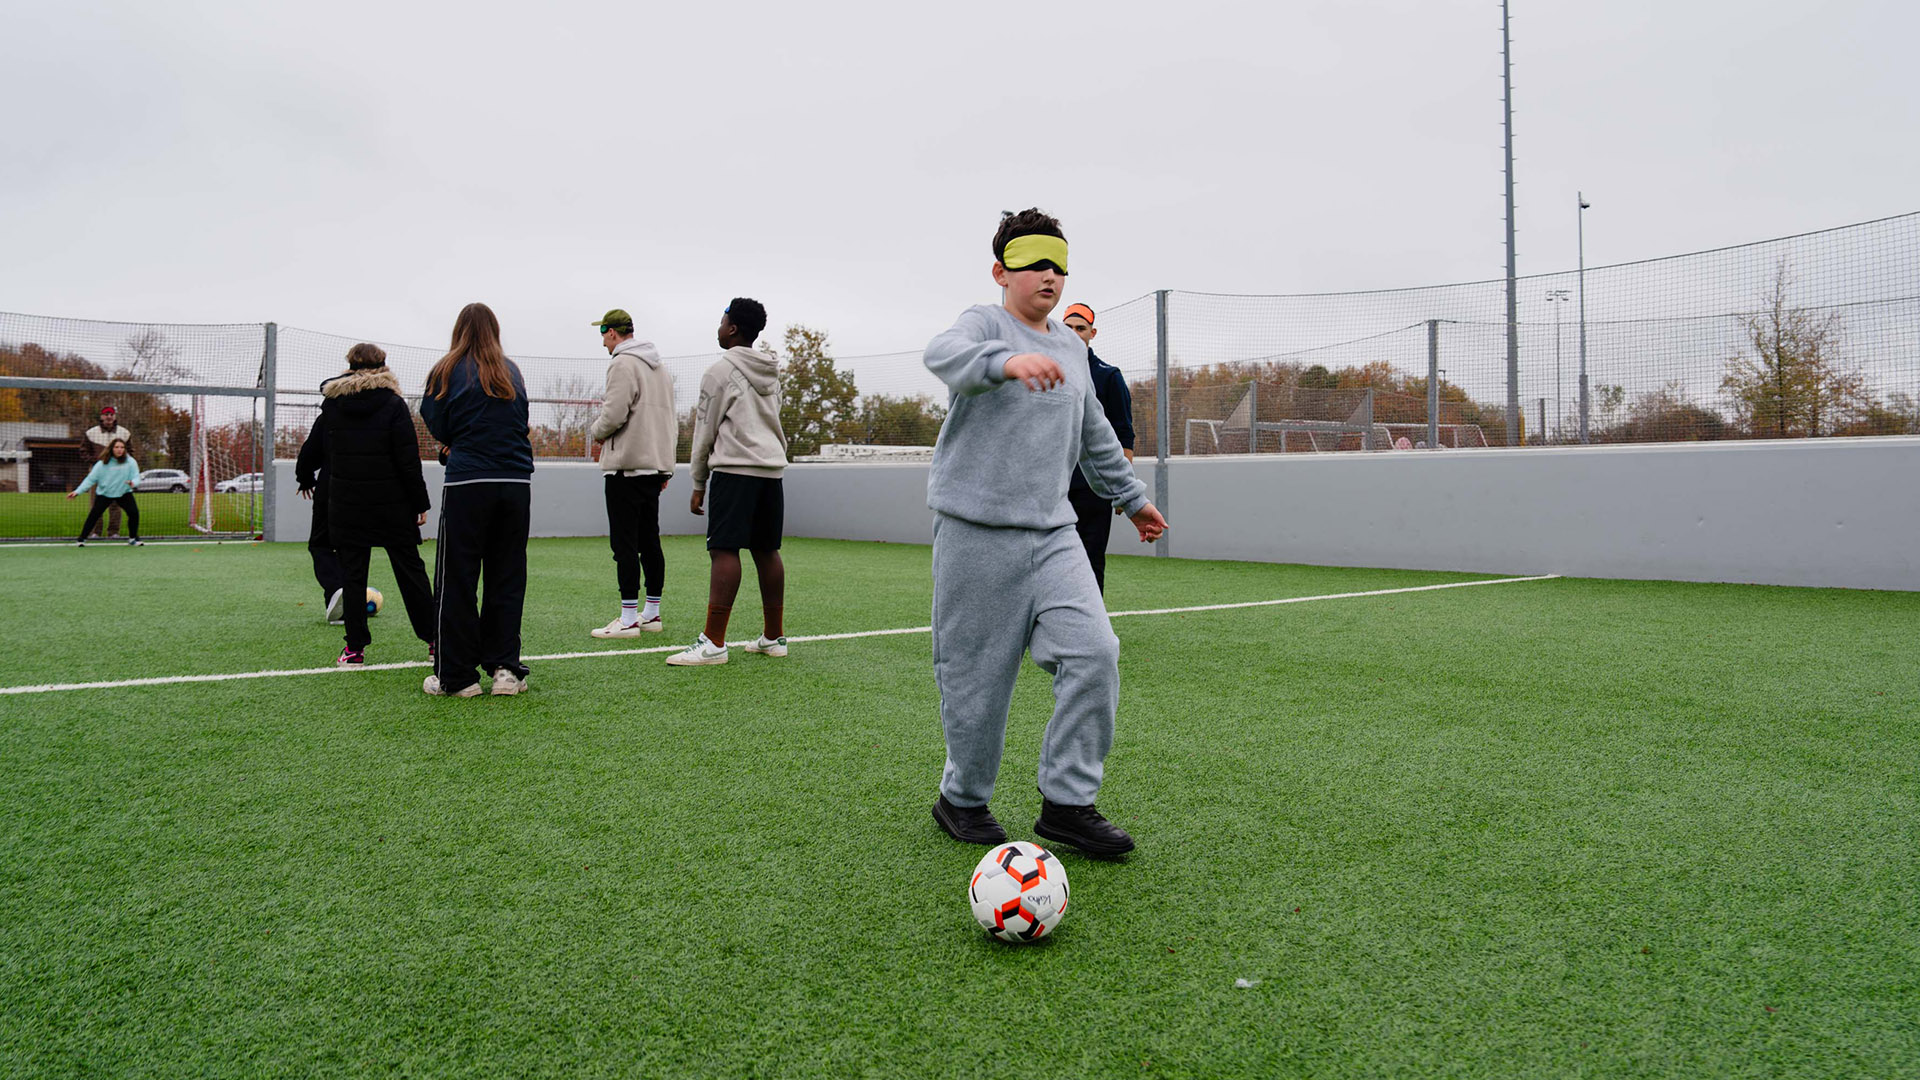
[[366, 355], [747, 316], [1032, 221]]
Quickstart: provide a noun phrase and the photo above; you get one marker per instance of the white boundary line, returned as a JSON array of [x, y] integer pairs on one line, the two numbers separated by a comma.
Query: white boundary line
[[5, 544], [170, 680]]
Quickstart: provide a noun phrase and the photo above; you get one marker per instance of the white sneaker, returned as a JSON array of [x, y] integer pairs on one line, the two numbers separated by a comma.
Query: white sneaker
[[767, 646], [506, 683], [615, 630], [700, 652], [653, 625], [333, 608], [136, 543], [432, 686]]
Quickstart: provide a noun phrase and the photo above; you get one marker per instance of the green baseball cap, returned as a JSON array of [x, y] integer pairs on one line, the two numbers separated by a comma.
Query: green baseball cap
[[616, 318]]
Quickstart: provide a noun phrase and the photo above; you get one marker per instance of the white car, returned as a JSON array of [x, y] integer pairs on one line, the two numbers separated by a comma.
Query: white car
[[246, 482], [163, 480]]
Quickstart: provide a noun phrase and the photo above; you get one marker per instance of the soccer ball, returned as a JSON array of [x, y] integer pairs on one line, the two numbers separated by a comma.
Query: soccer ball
[[374, 600], [1018, 892]]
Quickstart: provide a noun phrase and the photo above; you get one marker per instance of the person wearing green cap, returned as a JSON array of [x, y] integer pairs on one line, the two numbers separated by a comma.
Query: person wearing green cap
[[637, 431]]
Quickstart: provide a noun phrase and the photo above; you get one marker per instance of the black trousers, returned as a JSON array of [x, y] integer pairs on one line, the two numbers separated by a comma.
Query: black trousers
[[483, 546], [99, 507], [326, 566], [416, 592], [633, 531], [1095, 528], [112, 524]]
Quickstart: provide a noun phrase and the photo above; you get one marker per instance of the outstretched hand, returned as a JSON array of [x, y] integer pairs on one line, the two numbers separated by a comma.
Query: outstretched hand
[[73, 494], [1037, 370], [1150, 523]]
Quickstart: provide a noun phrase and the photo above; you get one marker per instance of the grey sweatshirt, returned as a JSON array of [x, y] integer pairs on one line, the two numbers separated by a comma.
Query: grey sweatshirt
[[736, 425], [1005, 453], [637, 426]]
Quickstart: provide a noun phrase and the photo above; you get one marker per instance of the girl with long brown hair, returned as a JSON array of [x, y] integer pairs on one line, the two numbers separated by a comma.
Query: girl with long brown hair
[[111, 480], [476, 405]]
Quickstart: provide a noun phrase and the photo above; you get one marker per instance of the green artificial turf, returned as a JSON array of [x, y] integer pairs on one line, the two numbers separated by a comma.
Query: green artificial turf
[[1561, 828], [51, 515]]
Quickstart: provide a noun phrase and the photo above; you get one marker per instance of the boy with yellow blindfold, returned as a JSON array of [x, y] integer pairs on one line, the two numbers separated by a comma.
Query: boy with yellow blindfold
[[1009, 573]]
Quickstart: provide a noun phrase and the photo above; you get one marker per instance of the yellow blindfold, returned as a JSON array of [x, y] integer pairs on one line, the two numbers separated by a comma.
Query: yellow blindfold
[[1027, 252]]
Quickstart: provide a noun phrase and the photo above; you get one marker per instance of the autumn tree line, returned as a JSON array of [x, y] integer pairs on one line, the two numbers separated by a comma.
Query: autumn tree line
[[1789, 379]]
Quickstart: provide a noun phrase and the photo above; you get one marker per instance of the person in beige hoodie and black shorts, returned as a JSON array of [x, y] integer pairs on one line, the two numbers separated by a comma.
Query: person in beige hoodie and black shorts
[[739, 447], [636, 430]]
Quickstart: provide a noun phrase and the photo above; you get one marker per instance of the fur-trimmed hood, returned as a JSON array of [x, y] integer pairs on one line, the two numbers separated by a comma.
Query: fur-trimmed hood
[[359, 381]]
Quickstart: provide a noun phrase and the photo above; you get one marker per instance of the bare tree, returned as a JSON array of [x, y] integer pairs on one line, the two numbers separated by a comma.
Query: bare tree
[[1793, 384], [150, 357]]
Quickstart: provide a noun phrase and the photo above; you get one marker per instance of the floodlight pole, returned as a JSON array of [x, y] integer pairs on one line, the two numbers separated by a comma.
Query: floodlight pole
[[1513, 299], [1580, 214]]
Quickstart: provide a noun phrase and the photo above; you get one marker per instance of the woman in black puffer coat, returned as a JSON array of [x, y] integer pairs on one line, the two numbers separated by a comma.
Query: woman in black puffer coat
[[376, 495]]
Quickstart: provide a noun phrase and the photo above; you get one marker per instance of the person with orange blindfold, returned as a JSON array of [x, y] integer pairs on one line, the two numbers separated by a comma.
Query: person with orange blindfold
[[1096, 514]]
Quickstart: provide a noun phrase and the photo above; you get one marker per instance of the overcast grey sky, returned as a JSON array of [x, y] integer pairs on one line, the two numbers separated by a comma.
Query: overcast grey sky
[[366, 168]]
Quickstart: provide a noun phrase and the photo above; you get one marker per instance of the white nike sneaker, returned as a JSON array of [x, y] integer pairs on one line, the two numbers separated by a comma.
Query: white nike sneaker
[[506, 683], [432, 686], [615, 630], [333, 608], [767, 646], [700, 652]]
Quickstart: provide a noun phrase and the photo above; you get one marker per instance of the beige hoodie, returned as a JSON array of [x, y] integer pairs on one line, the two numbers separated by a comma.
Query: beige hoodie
[[636, 425], [736, 427]]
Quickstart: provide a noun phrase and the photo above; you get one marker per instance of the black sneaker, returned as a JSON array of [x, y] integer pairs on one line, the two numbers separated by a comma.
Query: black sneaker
[[351, 657], [968, 824], [1082, 827]]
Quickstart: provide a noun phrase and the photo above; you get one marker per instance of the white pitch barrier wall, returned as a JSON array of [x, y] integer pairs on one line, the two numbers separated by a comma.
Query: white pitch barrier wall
[[1839, 513], [568, 500]]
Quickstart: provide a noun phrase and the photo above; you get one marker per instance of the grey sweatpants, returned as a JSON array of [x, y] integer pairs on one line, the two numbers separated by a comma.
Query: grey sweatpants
[[996, 593]]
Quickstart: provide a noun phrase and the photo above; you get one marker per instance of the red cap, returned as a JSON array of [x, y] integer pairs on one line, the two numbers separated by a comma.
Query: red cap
[[1081, 310]]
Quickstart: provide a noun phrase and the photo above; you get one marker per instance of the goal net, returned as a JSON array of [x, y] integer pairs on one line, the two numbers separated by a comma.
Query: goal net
[[185, 398]]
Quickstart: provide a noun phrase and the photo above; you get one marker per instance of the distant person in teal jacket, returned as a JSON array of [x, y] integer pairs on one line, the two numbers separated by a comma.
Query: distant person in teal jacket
[[111, 480]]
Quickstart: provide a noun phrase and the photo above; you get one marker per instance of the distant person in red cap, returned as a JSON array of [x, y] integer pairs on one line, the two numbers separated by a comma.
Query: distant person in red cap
[[101, 435], [1096, 516]]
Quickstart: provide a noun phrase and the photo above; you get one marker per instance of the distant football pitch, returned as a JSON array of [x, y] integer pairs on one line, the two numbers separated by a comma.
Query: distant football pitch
[[51, 515], [1542, 828]]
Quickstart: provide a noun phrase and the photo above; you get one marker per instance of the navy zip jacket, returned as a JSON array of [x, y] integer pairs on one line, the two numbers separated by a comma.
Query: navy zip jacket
[[488, 436], [1111, 388]]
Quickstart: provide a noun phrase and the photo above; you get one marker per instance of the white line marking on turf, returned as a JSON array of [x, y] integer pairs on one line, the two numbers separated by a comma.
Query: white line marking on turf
[[169, 680], [4, 545], [1330, 596]]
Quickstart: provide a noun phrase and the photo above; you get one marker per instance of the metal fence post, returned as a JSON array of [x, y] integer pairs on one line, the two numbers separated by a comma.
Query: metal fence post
[[1253, 417], [269, 381], [1163, 409], [1433, 384]]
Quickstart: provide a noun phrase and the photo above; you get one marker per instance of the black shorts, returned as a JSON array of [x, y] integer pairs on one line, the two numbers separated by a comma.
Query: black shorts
[[744, 512]]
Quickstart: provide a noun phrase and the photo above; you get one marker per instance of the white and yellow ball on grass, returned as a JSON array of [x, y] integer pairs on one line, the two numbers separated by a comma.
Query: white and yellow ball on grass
[[1018, 892], [374, 600]]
